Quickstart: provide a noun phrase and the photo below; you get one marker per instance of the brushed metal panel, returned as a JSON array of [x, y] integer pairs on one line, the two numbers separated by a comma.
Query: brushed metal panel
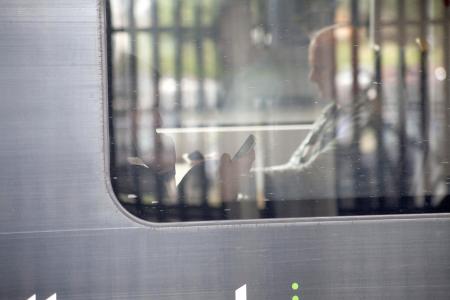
[[51, 112], [61, 232], [396, 259]]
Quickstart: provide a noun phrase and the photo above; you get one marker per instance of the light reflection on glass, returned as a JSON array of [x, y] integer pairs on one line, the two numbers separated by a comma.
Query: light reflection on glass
[[347, 100]]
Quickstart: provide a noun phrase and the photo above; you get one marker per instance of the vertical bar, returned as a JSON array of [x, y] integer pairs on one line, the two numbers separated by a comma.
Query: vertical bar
[[354, 48], [338, 151], [424, 99], [134, 107], [156, 54], [402, 172], [198, 16], [178, 60], [199, 37], [155, 71], [206, 213], [355, 95], [177, 17], [377, 44], [332, 79], [446, 53]]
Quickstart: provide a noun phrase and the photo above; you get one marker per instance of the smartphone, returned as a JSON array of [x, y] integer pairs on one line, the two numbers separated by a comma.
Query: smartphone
[[246, 147]]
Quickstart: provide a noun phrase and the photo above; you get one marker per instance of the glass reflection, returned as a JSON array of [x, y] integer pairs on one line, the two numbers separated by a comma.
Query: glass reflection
[[348, 108]]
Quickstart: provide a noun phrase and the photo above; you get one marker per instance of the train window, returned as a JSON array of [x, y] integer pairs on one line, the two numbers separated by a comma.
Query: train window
[[245, 109]]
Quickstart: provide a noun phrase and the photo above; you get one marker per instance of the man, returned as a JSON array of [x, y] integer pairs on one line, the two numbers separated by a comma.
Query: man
[[310, 172]]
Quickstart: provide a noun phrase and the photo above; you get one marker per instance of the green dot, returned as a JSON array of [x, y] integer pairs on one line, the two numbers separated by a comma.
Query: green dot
[[295, 298], [295, 286]]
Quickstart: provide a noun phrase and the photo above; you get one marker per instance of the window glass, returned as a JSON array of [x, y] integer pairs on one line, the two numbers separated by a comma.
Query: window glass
[[244, 109]]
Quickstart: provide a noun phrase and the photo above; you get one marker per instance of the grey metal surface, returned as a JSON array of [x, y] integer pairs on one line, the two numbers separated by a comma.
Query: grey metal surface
[[60, 231], [342, 260], [51, 112]]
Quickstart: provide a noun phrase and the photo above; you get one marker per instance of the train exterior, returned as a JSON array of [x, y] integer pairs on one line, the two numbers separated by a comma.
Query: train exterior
[[64, 233]]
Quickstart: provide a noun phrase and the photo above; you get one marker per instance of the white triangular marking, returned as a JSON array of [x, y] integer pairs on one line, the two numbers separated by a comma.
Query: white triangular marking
[[32, 297], [52, 297], [241, 293]]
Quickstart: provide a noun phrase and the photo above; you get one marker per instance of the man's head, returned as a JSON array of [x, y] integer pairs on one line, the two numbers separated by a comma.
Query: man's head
[[321, 61]]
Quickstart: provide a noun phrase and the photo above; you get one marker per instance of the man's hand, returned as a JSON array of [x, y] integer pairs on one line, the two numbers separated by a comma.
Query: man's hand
[[230, 173]]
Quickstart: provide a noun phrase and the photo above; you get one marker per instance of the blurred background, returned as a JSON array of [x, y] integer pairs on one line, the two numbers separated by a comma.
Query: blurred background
[[204, 74]]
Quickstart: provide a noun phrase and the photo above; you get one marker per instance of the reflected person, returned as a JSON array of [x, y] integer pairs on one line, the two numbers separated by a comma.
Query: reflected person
[[310, 173]]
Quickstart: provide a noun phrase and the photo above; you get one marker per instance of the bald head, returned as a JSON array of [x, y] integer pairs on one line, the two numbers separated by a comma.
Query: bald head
[[321, 61]]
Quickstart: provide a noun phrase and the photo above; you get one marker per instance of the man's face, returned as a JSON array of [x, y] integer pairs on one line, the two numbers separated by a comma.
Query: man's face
[[321, 64]]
